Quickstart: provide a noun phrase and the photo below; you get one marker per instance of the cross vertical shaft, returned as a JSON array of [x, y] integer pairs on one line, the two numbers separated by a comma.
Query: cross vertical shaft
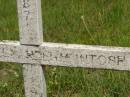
[[30, 25], [30, 22]]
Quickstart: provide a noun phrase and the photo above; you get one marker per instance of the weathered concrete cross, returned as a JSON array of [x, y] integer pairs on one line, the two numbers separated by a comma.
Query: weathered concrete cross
[[32, 53]]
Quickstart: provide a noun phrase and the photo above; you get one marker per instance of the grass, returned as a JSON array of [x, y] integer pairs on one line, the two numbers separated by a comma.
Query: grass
[[95, 22]]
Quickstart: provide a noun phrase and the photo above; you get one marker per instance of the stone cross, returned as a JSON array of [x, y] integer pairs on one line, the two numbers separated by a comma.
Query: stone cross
[[33, 53]]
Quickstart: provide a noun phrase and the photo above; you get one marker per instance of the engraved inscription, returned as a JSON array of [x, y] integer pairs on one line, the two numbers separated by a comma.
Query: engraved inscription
[[33, 54], [26, 11], [79, 58]]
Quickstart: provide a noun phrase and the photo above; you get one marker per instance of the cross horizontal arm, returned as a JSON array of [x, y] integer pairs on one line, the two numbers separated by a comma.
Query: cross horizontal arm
[[70, 55]]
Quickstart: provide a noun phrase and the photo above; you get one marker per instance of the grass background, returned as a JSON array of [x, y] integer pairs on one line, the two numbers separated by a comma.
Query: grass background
[[95, 22]]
